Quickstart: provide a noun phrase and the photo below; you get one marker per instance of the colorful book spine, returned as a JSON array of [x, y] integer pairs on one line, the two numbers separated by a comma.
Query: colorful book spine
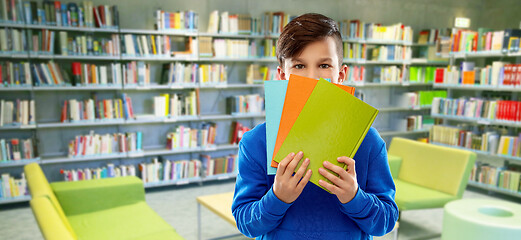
[[185, 137], [96, 144], [109, 171]]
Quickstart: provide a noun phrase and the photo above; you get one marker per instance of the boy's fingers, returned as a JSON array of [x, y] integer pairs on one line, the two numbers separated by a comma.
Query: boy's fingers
[[330, 187], [350, 163], [284, 163], [302, 169], [334, 179], [336, 169], [294, 162], [304, 180]]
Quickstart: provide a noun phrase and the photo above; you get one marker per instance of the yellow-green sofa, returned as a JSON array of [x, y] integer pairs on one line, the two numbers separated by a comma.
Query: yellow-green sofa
[[427, 175], [112, 208]]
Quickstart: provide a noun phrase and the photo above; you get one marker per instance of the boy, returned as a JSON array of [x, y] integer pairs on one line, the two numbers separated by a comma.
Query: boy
[[284, 206]]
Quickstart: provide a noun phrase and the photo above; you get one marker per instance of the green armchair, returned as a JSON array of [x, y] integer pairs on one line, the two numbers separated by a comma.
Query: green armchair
[[112, 208], [427, 175]]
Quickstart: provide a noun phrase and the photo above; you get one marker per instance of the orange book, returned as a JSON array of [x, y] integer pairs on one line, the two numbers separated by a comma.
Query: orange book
[[293, 105], [94, 79], [53, 75], [468, 77], [153, 44]]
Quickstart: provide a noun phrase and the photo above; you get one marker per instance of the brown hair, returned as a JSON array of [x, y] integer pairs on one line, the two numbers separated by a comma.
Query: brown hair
[[306, 29]]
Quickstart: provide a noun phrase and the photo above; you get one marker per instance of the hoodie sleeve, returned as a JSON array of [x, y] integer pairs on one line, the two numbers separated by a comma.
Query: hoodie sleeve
[[373, 209], [255, 207]]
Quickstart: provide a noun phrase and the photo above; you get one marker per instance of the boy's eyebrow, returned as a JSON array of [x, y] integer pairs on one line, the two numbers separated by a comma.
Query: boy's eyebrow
[[320, 60], [325, 59], [296, 60]]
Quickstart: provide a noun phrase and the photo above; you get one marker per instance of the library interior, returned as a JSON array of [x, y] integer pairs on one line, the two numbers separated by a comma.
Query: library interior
[[226, 119]]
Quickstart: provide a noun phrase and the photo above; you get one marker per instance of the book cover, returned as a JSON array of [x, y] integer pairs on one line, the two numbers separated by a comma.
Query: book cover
[[325, 131], [299, 90], [275, 93]]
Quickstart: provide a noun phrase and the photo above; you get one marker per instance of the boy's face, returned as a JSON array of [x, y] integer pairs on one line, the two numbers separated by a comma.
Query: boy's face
[[319, 59]]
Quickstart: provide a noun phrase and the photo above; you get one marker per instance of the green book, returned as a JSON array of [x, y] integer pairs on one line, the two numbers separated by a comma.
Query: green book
[[333, 123], [429, 74], [440, 93], [413, 74]]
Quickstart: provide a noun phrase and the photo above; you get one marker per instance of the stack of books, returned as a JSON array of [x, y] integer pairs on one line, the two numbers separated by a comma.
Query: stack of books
[[294, 105]]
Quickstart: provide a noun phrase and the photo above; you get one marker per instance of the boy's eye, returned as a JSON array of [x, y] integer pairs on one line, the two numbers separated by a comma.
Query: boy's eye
[[325, 66], [299, 66]]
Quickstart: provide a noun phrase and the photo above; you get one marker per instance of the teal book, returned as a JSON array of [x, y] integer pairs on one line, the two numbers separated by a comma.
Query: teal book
[[275, 93], [139, 140]]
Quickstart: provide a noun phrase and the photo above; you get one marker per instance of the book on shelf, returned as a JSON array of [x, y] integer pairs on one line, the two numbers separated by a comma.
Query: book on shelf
[[162, 170], [234, 23], [354, 51], [243, 104], [178, 20], [414, 123], [147, 45], [84, 74], [396, 32], [234, 48], [419, 74], [504, 177], [15, 74], [128, 110], [58, 13], [390, 53], [96, 144], [108, 171], [176, 104], [19, 112], [356, 29], [420, 98], [49, 73], [497, 74], [256, 73], [485, 39], [13, 40], [92, 109], [272, 23], [210, 74], [11, 187], [237, 130], [219, 165], [355, 74], [17, 149], [185, 137], [87, 45], [205, 47], [11, 11], [41, 42], [179, 73], [390, 74], [478, 108], [485, 140]]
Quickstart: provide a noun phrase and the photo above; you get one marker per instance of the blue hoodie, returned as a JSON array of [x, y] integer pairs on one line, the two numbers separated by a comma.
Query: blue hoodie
[[316, 214]]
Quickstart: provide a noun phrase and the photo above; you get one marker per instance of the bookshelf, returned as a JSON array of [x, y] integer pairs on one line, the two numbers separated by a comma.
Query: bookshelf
[[484, 88], [211, 111]]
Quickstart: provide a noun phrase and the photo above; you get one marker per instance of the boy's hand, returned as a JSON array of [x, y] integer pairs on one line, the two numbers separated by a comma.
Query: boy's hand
[[345, 185], [287, 187]]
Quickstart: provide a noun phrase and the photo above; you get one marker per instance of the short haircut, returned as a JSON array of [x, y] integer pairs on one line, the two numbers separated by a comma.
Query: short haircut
[[306, 29]]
